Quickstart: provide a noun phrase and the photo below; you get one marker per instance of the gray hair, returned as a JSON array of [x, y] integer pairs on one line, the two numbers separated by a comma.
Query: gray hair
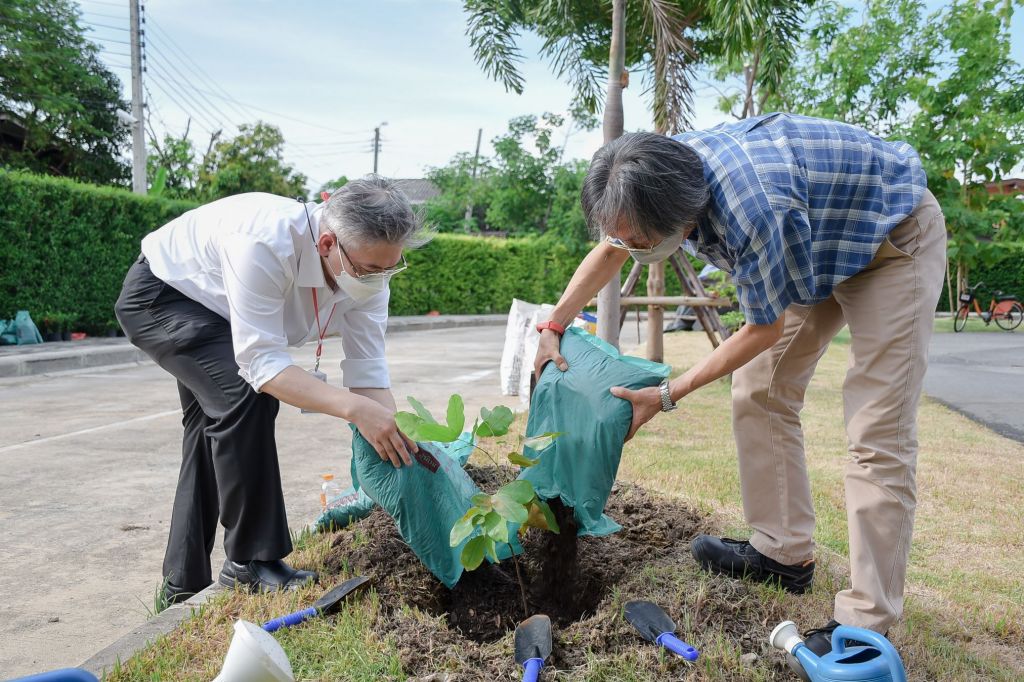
[[652, 182], [372, 210]]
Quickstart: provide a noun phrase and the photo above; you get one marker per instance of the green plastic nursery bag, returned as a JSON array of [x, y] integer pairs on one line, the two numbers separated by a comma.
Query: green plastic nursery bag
[[580, 465]]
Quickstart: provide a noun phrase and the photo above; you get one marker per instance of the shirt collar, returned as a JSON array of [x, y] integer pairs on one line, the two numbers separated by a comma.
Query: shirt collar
[[310, 273]]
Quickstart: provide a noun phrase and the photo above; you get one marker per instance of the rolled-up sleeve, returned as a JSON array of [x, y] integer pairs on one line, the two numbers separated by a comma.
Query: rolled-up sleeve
[[362, 338], [255, 280]]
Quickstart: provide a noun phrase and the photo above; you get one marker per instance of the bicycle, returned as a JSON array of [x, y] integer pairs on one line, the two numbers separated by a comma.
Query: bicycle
[[1005, 309]]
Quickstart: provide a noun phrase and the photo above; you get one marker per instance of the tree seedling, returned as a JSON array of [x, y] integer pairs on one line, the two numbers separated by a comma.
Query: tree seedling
[[513, 503]]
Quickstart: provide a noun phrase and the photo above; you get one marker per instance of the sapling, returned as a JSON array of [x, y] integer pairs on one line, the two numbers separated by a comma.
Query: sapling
[[515, 502]]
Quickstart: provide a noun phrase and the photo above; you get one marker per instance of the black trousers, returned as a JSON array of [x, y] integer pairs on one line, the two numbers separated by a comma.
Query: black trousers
[[229, 462]]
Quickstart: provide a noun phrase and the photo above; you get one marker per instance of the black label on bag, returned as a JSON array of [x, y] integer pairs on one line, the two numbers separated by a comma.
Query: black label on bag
[[428, 461]]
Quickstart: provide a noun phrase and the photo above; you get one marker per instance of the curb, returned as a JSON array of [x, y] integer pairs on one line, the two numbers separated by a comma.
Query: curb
[[123, 353], [124, 648]]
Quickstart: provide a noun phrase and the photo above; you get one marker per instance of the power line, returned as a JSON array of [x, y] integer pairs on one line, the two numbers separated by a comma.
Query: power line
[[198, 111], [92, 26], [116, 54], [198, 70], [224, 95], [198, 122], [101, 2], [165, 61], [204, 104], [110, 40], [98, 14]]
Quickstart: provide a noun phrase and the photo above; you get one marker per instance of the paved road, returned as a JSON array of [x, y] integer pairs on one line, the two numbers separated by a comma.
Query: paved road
[[89, 465], [980, 374]]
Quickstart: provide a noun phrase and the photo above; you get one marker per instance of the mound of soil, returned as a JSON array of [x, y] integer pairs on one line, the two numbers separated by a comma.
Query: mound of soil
[[580, 583]]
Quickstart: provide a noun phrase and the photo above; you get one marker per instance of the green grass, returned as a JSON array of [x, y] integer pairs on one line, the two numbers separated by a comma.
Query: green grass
[[964, 607]]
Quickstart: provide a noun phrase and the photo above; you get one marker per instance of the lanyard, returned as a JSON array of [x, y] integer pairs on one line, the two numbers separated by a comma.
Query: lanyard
[[321, 331]]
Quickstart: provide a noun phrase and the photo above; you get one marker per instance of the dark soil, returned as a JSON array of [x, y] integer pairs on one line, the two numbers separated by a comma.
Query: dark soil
[[580, 583]]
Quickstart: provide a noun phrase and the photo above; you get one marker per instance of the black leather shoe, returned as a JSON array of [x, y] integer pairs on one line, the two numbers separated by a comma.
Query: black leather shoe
[[819, 640], [174, 594], [737, 558], [264, 576]]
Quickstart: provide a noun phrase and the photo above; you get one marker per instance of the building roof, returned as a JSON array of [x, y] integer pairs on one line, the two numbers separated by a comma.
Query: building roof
[[1006, 186], [419, 190]]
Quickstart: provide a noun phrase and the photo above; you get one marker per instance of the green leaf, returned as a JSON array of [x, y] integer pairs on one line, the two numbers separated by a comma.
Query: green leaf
[[538, 443], [491, 550], [456, 416], [419, 430], [495, 527], [482, 501], [409, 423], [519, 491], [521, 460], [495, 422], [509, 508], [473, 552], [438, 432], [463, 528], [549, 516], [423, 412]]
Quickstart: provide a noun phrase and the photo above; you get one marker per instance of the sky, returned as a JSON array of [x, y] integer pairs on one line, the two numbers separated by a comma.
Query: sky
[[328, 72]]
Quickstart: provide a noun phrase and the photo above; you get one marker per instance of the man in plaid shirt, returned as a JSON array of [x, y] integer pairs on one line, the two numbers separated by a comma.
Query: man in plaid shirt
[[822, 225]]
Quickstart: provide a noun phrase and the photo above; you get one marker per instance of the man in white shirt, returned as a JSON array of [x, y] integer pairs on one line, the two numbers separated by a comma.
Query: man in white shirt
[[216, 298]]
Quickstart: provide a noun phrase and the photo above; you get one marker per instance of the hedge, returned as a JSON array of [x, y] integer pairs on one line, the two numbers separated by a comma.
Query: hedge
[[65, 247]]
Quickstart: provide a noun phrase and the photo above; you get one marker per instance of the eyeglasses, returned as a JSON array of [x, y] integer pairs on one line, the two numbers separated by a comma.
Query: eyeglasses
[[364, 275], [359, 273], [619, 244]]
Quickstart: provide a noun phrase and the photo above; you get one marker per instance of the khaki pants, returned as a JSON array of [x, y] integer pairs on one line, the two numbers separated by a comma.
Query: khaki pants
[[889, 308]]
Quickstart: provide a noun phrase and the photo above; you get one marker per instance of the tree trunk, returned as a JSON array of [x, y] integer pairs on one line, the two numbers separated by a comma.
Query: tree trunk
[[608, 299]]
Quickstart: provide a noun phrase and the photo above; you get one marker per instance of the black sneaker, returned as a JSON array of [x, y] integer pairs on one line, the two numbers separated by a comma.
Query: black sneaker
[[737, 558], [264, 576], [819, 640]]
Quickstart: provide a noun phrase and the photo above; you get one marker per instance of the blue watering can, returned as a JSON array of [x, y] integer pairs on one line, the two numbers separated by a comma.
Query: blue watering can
[[877, 661]]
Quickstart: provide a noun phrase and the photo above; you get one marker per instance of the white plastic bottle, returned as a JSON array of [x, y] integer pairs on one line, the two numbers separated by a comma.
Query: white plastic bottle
[[329, 490]]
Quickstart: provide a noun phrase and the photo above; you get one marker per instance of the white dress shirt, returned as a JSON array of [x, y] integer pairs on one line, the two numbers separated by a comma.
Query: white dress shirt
[[251, 259]]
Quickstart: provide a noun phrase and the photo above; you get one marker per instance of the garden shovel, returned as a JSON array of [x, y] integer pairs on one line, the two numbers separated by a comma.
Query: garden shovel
[[533, 645], [655, 626], [325, 605]]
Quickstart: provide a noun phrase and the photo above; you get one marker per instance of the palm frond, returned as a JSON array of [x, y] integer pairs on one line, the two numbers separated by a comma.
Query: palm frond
[[567, 60], [673, 61], [492, 28], [781, 28]]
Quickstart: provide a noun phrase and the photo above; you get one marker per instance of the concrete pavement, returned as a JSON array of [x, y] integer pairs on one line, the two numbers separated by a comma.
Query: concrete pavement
[[980, 374]]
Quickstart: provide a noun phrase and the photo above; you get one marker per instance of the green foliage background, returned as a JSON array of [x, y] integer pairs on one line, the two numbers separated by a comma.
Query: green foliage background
[[65, 247]]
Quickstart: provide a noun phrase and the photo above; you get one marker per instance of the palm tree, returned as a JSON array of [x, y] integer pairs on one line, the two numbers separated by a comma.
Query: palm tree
[[664, 39]]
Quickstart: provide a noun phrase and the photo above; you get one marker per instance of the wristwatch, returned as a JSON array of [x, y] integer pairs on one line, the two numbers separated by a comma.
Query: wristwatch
[[553, 326], [666, 398]]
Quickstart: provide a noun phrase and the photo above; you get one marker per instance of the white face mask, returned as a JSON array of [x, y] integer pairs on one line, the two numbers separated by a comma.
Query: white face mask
[[656, 254], [361, 289]]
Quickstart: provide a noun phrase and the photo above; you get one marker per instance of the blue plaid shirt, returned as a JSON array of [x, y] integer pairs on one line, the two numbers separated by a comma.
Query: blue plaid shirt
[[798, 205]]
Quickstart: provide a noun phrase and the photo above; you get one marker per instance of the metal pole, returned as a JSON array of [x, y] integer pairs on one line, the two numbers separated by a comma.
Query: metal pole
[[138, 113], [376, 147], [608, 325], [476, 157]]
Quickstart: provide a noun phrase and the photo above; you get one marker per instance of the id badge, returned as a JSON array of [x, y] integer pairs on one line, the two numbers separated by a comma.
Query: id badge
[[316, 374]]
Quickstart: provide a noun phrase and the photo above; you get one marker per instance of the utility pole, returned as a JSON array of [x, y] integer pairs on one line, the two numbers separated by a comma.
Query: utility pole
[[376, 145], [138, 112], [476, 157]]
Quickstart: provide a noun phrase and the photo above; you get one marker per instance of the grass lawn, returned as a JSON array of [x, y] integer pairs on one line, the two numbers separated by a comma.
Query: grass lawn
[[965, 596]]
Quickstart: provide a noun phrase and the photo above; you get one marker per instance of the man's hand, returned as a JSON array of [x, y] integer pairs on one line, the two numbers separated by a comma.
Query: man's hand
[[646, 403], [548, 351], [377, 424]]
